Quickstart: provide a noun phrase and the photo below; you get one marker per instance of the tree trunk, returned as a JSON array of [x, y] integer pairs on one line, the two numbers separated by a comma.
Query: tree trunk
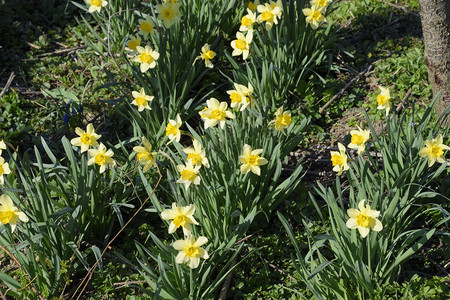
[[435, 17]]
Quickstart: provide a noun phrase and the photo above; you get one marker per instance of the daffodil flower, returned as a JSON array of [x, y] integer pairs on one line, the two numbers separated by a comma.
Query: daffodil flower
[[86, 138], [339, 160], [145, 155], [10, 213], [363, 219], [216, 112], [96, 5], [146, 27], [320, 3], [181, 216], [383, 99], [189, 174], [4, 170], [173, 131], [241, 46], [206, 54], [191, 251], [313, 16], [2, 146], [248, 21], [102, 157], [282, 119], [359, 139], [241, 96], [168, 13], [269, 13], [146, 57], [141, 100], [252, 5], [133, 42], [251, 160], [197, 155], [434, 150], [248, 99]]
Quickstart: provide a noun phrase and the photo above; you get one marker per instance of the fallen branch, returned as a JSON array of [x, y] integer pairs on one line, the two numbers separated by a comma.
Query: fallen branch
[[226, 284], [279, 270], [124, 284], [402, 103], [339, 94], [8, 83], [402, 8], [57, 52]]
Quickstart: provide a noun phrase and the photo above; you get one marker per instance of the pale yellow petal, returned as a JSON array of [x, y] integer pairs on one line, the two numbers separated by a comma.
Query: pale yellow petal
[[181, 257], [364, 231], [378, 226], [194, 262], [351, 223], [353, 213]]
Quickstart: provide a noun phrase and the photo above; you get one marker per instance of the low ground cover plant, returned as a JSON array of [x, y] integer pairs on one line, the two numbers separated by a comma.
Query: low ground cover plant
[[208, 93]]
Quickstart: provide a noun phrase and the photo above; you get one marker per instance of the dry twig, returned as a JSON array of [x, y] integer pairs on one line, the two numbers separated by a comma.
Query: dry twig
[[226, 284], [84, 283], [402, 8], [8, 83], [402, 103], [56, 52], [339, 94]]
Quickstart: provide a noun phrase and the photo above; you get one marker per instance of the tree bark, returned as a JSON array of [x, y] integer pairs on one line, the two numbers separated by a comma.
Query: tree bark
[[435, 17]]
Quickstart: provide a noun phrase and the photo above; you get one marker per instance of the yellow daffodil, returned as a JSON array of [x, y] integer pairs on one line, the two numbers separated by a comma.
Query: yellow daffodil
[[96, 5], [146, 27], [202, 115], [197, 155], [434, 150], [86, 138], [173, 131], [248, 21], [313, 16], [102, 157], [339, 160], [248, 99], [171, 1], [181, 216], [133, 42], [269, 13], [282, 119], [4, 170], [189, 174], [2, 146], [241, 46], [241, 96], [141, 100], [145, 154], [168, 13], [252, 5], [320, 3], [236, 96], [251, 160], [191, 251], [207, 54], [278, 4], [363, 219], [215, 113], [10, 213], [359, 139], [146, 57], [383, 99]]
